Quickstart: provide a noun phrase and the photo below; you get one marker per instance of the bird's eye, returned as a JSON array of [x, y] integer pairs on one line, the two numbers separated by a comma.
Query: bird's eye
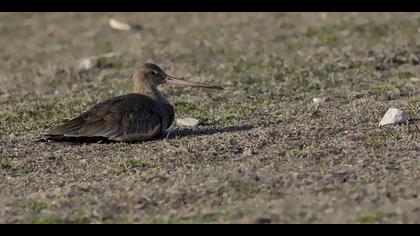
[[152, 72]]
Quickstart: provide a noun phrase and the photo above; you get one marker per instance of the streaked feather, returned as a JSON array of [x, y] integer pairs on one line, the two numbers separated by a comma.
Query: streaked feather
[[131, 117]]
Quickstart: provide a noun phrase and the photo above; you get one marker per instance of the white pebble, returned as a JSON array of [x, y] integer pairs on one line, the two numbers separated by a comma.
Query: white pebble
[[118, 25], [393, 116], [191, 122], [317, 101], [88, 63]]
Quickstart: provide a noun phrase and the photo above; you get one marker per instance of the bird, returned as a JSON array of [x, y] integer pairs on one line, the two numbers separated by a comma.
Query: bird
[[142, 115]]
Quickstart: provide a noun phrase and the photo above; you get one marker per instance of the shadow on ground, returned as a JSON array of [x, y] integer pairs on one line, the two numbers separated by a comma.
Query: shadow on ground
[[188, 132]]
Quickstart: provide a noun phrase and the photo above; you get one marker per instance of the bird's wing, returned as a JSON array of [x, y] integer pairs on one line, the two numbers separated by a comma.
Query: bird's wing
[[131, 117]]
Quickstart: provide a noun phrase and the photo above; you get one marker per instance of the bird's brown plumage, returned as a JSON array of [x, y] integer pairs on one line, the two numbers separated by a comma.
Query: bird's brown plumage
[[127, 118], [139, 116]]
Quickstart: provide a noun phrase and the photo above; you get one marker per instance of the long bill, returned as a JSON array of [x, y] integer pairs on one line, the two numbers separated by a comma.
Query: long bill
[[172, 80]]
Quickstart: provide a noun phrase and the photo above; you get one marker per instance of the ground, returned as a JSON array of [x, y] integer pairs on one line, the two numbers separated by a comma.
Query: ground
[[266, 152]]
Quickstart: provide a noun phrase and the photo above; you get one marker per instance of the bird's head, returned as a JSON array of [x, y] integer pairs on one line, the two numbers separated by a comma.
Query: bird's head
[[151, 74]]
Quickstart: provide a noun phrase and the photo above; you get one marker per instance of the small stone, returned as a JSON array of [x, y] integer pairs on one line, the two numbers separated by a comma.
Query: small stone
[[191, 122], [94, 61], [393, 116], [414, 79], [319, 101], [118, 25], [88, 63]]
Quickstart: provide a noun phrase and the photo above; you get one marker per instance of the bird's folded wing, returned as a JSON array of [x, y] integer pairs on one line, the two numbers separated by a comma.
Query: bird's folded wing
[[131, 117]]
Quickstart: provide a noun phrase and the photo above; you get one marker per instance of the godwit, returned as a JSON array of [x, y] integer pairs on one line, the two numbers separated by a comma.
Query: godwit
[[142, 115]]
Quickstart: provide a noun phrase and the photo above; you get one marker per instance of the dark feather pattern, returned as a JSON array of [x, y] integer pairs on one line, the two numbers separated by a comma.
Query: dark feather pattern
[[127, 118]]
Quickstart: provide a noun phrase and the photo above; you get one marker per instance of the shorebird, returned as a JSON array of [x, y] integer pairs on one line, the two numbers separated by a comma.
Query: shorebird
[[142, 115]]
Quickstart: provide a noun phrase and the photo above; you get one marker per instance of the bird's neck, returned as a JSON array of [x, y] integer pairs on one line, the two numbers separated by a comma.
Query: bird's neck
[[150, 91]]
